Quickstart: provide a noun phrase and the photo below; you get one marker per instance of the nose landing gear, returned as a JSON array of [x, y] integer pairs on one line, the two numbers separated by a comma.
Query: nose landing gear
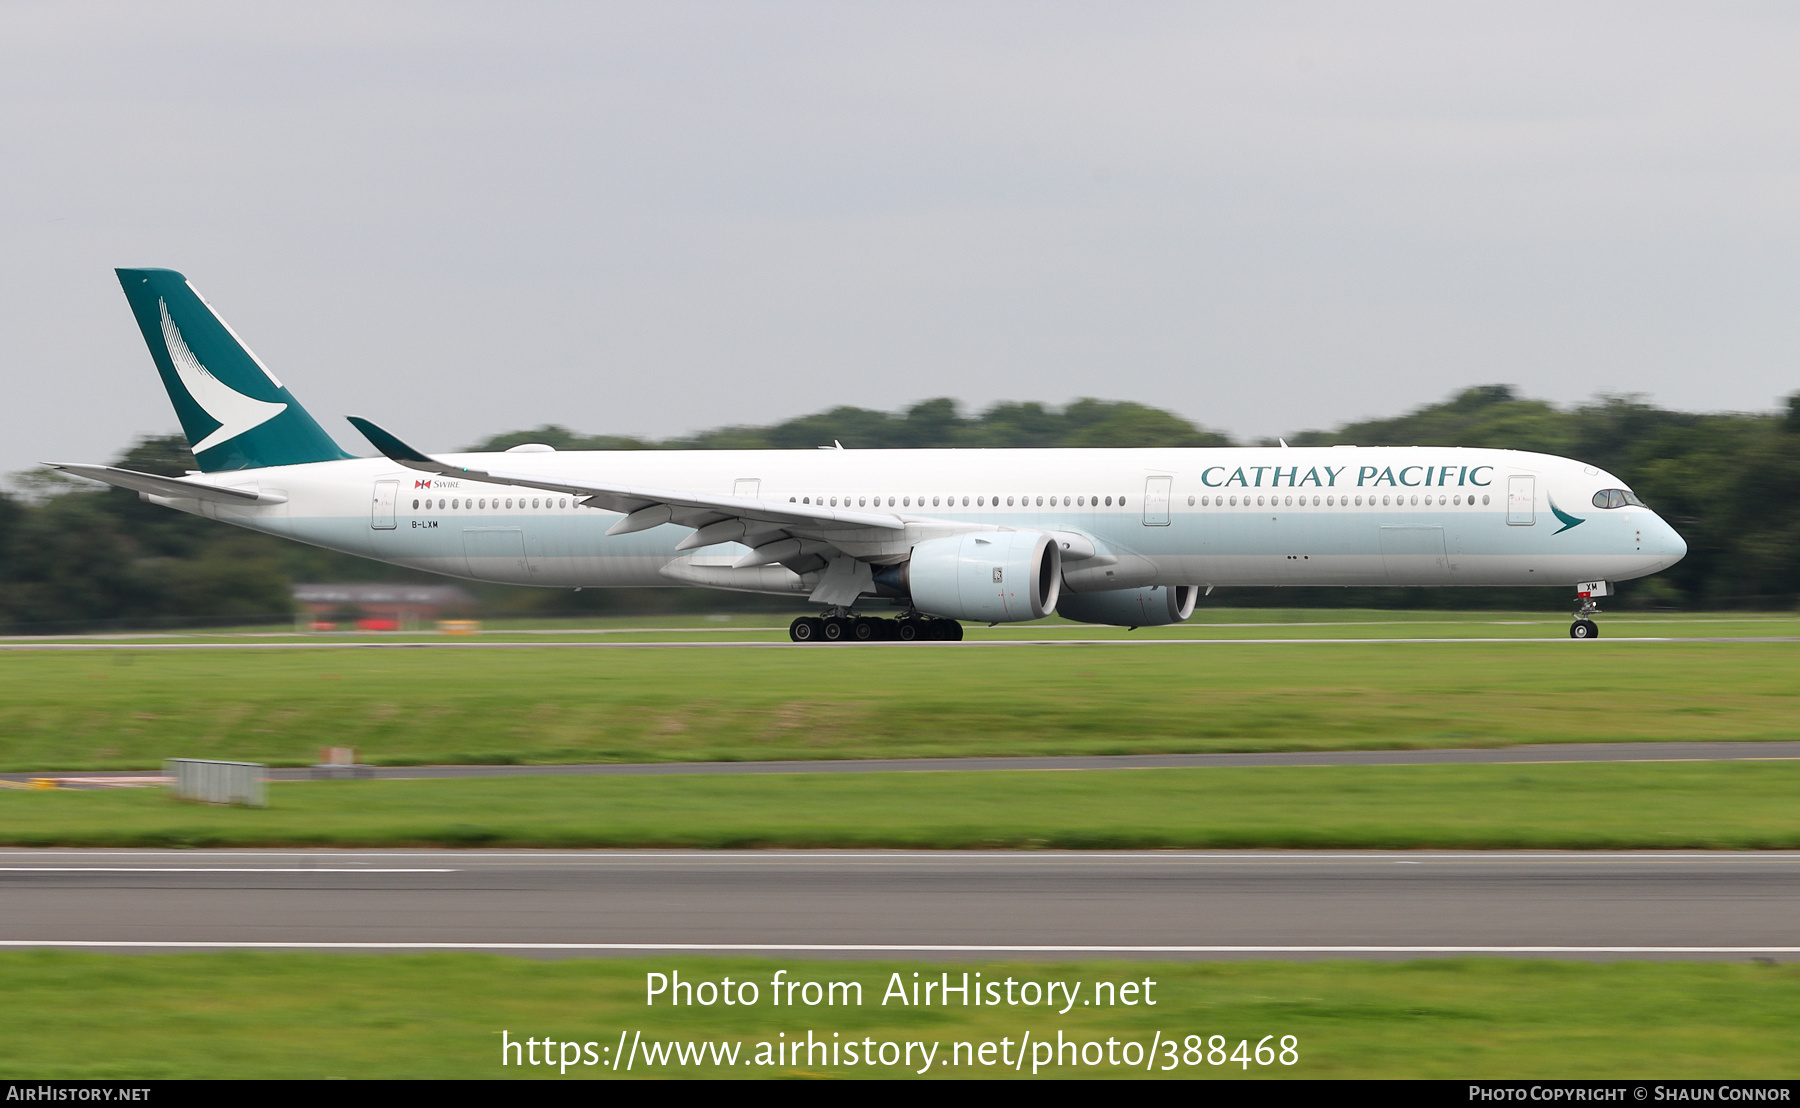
[[1588, 604]]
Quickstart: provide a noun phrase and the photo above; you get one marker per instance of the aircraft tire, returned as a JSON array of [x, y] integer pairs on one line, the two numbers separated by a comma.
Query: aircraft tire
[[1584, 629], [805, 629], [865, 630], [834, 629], [907, 631]]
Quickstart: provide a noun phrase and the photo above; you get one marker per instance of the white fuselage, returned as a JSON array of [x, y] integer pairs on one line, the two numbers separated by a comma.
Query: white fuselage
[[1414, 516]]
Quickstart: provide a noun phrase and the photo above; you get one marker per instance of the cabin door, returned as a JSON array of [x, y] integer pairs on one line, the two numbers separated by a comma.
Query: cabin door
[[1156, 501], [1521, 500], [381, 513]]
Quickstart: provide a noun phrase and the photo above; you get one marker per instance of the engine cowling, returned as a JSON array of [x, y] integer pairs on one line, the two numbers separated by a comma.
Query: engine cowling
[[1151, 606], [990, 576]]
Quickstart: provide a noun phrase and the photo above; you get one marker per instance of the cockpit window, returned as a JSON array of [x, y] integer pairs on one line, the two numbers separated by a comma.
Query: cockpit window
[[1617, 498]]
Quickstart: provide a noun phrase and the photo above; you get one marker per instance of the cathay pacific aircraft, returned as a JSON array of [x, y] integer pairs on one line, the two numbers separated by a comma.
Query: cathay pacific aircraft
[[1129, 538]]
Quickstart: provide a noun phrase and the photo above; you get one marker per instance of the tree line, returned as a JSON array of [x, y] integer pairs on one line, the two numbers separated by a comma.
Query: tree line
[[73, 554]]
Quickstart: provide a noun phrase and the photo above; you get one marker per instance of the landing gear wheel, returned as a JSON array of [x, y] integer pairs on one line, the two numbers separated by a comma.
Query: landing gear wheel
[[1584, 629], [865, 630], [805, 629], [908, 630], [834, 630], [952, 631]]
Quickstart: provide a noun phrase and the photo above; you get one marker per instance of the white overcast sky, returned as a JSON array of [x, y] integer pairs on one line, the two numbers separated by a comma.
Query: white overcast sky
[[460, 219]]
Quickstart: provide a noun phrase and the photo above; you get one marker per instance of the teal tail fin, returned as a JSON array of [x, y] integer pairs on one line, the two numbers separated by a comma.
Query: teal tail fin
[[236, 414]]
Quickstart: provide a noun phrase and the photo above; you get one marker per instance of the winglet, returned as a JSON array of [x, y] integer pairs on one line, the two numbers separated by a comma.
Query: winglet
[[393, 447]]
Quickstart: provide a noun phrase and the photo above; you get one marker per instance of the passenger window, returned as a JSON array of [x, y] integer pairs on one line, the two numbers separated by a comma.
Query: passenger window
[[906, 501], [965, 502], [1484, 499], [456, 503], [415, 505], [534, 502], [1109, 502], [563, 503]]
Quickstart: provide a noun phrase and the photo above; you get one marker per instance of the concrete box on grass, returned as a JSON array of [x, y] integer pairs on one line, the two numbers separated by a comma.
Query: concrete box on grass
[[218, 782]]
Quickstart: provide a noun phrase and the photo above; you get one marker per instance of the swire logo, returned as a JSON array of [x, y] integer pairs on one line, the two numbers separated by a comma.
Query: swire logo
[[421, 484]]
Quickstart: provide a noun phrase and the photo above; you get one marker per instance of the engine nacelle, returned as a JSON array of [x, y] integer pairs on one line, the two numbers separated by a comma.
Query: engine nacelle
[[990, 576], [1151, 606]]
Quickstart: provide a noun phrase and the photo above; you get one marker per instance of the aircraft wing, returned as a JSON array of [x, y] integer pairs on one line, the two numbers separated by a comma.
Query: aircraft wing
[[167, 486], [777, 530]]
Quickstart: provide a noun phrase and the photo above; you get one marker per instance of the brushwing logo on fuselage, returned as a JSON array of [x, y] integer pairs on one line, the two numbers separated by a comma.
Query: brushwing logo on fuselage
[[232, 410], [1565, 519]]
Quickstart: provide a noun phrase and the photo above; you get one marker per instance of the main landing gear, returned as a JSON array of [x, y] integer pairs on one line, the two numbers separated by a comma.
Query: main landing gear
[[1583, 627], [842, 626]]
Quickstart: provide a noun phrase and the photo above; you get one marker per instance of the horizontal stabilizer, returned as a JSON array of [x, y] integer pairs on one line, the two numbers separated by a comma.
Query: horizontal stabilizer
[[172, 487]]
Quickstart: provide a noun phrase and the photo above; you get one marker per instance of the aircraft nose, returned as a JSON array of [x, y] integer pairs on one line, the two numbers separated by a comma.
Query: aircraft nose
[[1672, 545]]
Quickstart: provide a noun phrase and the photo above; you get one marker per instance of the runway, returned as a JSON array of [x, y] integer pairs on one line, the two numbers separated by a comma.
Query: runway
[[971, 644], [1503, 755], [1246, 904]]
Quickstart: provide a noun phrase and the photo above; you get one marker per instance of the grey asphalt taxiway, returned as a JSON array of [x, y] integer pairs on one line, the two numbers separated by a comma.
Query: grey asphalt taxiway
[[932, 904], [1770, 751]]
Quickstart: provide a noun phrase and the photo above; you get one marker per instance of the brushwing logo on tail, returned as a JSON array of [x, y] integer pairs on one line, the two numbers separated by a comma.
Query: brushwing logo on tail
[[235, 412]]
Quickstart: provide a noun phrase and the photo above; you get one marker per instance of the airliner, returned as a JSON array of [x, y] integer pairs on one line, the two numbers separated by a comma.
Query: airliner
[[1128, 538]]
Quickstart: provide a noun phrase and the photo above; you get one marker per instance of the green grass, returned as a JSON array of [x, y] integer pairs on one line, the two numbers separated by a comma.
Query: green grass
[[117, 709], [93, 1016], [1744, 805]]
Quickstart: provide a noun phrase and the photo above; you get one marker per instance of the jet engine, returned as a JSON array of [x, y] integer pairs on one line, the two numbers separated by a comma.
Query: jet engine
[[989, 576], [1151, 606]]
